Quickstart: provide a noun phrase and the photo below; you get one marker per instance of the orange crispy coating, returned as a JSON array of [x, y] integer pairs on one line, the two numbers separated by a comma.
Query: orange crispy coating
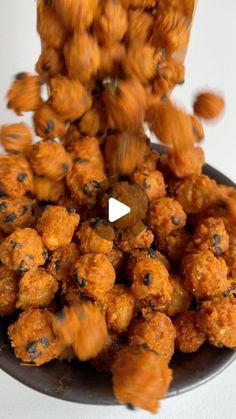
[[47, 123], [134, 366], [8, 291], [87, 150], [170, 72], [111, 59], [138, 236], [50, 159], [204, 275], [116, 257], [217, 319], [157, 331], [33, 339], [141, 62], [181, 297], [94, 275], [151, 161], [24, 93], [76, 13], [50, 63], [111, 23], [82, 56], [36, 289], [69, 98], [149, 279], [140, 26], [96, 236], [46, 189], [16, 138], [56, 226], [187, 162], [120, 308], [197, 128], [93, 122], [23, 250], [49, 26], [16, 178], [196, 193], [152, 182], [165, 216], [84, 327], [171, 125], [125, 103], [208, 105], [211, 235], [174, 245], [16, 212], [189, 337], [139, 3], [230, 258], [125, 151]]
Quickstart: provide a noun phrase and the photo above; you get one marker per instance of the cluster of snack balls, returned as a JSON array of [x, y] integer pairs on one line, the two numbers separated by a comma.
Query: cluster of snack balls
[[123, 296]]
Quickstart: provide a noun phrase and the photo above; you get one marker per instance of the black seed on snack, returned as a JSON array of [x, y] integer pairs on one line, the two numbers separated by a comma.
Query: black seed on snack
[[81, 161], [82, 282], [48, 2], [94, 224], [86, 190], [21, 268], [216, 239], [33, 209], [65, 167], [35, 355], [175, 220], [147, 280], [3, 206], [181, 82], [46, 67], [45, 254], [71, 210], [31, 347], [20, 76], [50, 123], [21, 177], [24, 210], [44, 342], [42, 306], [101, 132], [152, 253], [146, 184], [2, 193], [130, 406], [96, 184], [10, 218], [145, 346], [218, 250], [16, 245], [57, 265], [222, 204], [14, 136]]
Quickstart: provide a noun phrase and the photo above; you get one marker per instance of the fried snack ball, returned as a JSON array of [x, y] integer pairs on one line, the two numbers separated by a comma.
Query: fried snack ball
[[116, 257], [16, 178], [152, 182], [165, 216], [208, 105], [149, 279], [8, 291], [157, 331], [96, 236], [84, 327], [93, 123], [24, 93], [151, 161], [181, 298], [198, 130], [174, 245], [205, 275], [138, 236], [87, 150], [171, 31], [139, 27], [111, 59], [46, 189], [16, 212], [50, 28], [141, 62], [120, 308], [196, 193], [139, 3], [69, 99], [106, 358], [76, 14], [169, 73], [84, 181], [139, 368], [125, 103], [211, 234], [217, 319], [111, 23], [47, 123], [125, 151], [94, 275], [36, 289], [82, 56], [171, 125], [61, 263], [50, 63], [23, 250], [16, 138], [57, 226], [33, 339], [50, 159], [187, 162], [189, 337]]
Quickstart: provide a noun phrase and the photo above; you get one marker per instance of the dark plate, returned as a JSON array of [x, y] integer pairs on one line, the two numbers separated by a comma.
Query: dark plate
[[80, 383]]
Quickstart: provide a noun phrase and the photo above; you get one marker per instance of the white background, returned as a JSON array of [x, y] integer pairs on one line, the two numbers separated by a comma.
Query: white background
[[211, 62]]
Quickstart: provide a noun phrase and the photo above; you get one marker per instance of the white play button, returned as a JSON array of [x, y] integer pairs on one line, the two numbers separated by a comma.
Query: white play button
[[117, 209]]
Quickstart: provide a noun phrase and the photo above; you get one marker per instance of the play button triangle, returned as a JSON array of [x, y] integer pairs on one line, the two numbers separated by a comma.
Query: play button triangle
[[117, 209]]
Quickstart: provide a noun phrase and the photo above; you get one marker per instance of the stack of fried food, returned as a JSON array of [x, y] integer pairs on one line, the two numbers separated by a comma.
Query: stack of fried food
[[123, 296]]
